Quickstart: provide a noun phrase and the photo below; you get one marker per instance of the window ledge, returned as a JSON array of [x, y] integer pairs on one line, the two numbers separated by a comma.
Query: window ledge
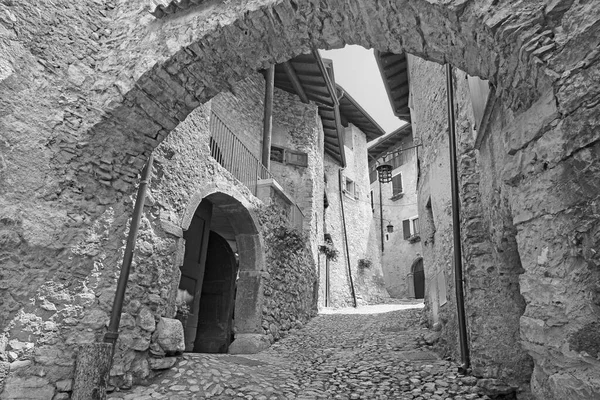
[[350, 195], [414, 239], [397, 196]]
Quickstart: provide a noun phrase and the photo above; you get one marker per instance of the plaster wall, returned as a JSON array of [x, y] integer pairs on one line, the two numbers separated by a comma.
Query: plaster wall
[[360, 229], [399, 254]]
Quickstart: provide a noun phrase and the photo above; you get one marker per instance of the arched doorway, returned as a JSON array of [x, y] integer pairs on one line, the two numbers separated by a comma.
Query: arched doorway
[[222, 257], [418, 278]]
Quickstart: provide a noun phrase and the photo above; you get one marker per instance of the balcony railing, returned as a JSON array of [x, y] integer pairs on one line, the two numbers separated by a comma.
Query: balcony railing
[[234, 156]]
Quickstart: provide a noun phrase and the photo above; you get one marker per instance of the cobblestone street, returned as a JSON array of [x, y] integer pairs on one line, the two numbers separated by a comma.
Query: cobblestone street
[[342, 354]]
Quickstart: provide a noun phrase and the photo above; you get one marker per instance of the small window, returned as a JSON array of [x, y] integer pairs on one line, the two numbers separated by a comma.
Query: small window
[[397, 185], [398, 158], [411, 228], [350, 187], [372, 203], [415, 226], [277, 154]]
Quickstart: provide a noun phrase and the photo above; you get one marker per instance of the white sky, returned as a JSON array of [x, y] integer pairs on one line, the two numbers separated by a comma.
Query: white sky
[[356, 71]]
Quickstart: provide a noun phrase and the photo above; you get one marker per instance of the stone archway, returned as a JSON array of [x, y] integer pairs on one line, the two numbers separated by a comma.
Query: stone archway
[[102, 105], [250, 250]]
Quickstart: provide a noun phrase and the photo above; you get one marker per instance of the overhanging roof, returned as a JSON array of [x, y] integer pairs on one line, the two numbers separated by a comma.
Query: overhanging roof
[[389, 142], [352, 112], [311, 78], [394, 72]]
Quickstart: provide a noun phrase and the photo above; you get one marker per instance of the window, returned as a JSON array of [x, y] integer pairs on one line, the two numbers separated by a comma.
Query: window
[[349, 187], [479, 90], [398, 159], [277, 154], [287, 156], [397, 190], [373, 175], [415, 226], [372, 203], [411, 229]]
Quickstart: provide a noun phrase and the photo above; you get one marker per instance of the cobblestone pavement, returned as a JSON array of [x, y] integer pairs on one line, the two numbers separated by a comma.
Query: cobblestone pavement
[[341, 355]]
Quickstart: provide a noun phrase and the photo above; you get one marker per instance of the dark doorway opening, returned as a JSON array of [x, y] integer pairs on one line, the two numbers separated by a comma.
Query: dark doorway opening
[[419, 279], [215, 314], [208, 275]]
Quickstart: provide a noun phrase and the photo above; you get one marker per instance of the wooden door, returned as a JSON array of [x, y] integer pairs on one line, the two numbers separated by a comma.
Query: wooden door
[[216, 303], [419, 280], [192, 271]]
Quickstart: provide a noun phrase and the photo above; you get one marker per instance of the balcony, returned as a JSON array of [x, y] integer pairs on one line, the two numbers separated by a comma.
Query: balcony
[[234, 156]]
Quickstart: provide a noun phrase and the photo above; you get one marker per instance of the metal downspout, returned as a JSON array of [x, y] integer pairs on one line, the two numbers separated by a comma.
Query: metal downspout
[[115, 316], [381, 214], [346, 237], [458, 276]]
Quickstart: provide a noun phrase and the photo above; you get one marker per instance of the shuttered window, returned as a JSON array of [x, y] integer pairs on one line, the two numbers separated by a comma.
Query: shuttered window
[[287, 156], [397, 185], [296, 158], [406, 228]]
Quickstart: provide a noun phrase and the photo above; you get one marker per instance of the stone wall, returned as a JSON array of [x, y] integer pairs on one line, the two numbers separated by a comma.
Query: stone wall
[[490, 257], [75, 311], [399, 254], [290, 284], [360, 229]]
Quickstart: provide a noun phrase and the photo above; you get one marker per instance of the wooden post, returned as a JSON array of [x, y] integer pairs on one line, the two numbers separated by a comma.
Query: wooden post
[[268, 117], [92, 370]]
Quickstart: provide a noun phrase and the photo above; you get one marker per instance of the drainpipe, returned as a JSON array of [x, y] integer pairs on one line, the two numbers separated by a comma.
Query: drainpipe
[[381, 213], [115, 316], [346, 238], [460, 301]]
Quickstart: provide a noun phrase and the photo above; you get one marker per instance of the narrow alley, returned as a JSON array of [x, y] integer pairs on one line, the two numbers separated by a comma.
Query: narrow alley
[[368, 353]]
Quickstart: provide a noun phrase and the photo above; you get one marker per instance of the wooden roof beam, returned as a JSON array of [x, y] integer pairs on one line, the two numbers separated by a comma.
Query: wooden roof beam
[[291, 74]]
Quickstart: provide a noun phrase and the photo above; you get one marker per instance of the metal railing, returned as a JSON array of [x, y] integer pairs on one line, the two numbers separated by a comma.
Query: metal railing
[[234, 156]]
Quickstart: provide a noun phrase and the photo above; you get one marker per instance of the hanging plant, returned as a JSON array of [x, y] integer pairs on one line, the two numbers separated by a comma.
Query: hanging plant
[[329, 251], [364, 263]]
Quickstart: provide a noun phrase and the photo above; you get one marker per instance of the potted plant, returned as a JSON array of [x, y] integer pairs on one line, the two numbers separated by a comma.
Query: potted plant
[[183, 310]]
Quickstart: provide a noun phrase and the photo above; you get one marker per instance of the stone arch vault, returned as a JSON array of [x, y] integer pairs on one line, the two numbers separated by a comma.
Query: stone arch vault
[[249, 301]]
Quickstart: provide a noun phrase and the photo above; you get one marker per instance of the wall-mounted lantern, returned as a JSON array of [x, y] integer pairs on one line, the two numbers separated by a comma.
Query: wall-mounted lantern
[[385, 173], [390, 228]]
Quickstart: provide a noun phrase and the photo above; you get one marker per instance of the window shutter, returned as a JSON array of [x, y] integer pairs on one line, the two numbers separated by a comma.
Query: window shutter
[[397, 184], [406, 228], [343, 178], [296, 158]]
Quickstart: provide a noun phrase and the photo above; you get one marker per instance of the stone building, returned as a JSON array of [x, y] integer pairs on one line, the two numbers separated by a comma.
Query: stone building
[[355, 276], [89, 89], [396, 214]]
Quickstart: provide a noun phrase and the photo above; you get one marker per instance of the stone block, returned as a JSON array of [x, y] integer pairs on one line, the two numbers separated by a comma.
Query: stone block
[[65, 385], [169, 335], [249, 302], [162, 363], [27, 388], [249, 344], [95, 319], [145, 320]]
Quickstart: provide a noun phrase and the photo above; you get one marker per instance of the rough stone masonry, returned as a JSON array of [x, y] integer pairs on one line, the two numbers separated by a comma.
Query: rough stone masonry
[[88, 89]]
